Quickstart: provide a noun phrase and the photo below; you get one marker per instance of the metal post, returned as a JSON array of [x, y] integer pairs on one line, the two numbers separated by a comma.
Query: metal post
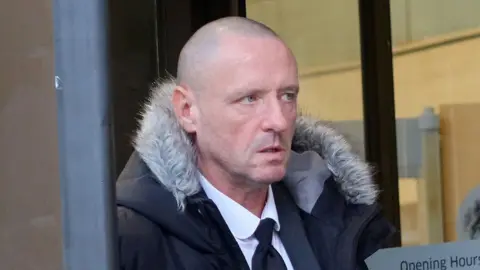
[[83, 100], [430, 190], [379, 104]]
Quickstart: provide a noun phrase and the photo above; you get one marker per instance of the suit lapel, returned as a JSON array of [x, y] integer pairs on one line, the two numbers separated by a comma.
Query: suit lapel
[[292, 232]]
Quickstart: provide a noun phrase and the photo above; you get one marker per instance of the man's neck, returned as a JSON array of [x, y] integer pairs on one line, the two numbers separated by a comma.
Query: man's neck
[[250, 195]]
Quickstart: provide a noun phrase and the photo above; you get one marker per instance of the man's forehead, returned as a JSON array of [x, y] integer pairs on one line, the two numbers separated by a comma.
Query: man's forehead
[[248, 61]]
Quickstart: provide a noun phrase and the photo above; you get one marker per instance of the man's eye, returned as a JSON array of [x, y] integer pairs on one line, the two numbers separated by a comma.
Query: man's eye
[[249, 99], [289, 96]]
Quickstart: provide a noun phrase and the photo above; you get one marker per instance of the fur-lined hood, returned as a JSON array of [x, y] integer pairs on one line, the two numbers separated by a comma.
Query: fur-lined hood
[[170, 155]]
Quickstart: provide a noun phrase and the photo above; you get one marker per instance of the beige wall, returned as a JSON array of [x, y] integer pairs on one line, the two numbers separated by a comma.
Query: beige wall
[[326, 32], [302, 24], [446, 74], [30, 225]]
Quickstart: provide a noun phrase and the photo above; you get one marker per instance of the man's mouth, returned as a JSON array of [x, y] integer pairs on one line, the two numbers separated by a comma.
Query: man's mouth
[[272, 149]]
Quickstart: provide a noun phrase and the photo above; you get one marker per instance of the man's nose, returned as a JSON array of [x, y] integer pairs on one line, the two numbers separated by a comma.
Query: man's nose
[[274, 118]]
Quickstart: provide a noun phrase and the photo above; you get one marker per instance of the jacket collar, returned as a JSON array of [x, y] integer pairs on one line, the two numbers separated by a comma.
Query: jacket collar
[[241, 222]]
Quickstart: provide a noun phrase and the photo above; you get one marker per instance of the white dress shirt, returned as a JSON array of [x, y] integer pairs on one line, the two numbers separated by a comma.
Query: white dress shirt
[[243, 223]]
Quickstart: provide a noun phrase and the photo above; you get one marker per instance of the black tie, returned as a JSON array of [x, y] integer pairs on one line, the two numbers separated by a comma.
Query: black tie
[[266, 257]]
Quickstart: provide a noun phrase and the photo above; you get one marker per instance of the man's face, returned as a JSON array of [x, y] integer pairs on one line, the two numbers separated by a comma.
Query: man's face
[[246, 113]]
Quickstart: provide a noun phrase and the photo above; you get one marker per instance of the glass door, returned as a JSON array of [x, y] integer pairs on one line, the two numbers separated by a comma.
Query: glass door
[[436, 48]]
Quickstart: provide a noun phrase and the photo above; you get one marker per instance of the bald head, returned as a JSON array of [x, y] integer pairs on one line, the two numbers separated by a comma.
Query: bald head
[[202, 48]]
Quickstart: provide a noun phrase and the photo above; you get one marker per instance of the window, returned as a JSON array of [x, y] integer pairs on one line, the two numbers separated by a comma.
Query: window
[[437, 98]]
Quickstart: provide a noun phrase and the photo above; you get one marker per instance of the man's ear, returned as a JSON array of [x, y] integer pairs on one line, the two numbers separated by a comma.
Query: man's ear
[[182, 100]]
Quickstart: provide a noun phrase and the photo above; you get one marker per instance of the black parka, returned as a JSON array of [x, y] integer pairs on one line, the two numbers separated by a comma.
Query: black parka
[[326, 203]]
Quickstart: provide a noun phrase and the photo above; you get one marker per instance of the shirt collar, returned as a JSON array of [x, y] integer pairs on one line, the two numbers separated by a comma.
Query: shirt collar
[[242, 223]]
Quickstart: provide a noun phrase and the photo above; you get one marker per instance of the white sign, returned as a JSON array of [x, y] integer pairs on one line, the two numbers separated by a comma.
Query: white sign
[[453, 255]]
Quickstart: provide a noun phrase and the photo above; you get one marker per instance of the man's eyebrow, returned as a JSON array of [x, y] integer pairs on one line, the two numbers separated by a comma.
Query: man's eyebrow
[[240, 92], [294, 88]]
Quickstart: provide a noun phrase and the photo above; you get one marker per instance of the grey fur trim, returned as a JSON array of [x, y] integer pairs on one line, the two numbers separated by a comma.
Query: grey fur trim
[[168, 152], [353, 174], [165, 147]]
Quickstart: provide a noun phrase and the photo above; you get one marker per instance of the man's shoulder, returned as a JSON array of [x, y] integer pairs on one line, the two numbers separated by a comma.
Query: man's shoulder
[[136, 232], [141, 241], [133, 224]]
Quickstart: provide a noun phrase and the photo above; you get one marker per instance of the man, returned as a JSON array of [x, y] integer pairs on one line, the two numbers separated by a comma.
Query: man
[[226, 176]]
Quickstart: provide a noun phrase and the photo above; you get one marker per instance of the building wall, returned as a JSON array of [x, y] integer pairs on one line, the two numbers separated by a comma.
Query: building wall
[[30, 224], [446, 74], [326, 32]]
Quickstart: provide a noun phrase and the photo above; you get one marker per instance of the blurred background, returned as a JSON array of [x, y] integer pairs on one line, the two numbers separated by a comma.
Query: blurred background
[[436, 67], [436, 87]]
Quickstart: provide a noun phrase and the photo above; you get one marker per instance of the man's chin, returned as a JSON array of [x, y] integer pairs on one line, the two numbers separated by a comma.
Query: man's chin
[[270, 176]]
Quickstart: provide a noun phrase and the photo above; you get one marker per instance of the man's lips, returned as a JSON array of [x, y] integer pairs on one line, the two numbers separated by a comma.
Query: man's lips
[[272, 149]]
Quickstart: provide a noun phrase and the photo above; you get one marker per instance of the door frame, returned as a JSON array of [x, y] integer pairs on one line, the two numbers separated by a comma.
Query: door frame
[[379, 105]]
